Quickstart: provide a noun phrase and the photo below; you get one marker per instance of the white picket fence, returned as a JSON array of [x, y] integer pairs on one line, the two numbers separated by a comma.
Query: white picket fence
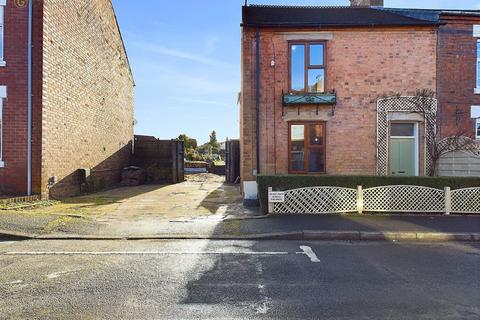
[[396, 198]]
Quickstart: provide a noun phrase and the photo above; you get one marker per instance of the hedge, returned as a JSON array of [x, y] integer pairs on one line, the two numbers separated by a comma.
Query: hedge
[[288, 182]]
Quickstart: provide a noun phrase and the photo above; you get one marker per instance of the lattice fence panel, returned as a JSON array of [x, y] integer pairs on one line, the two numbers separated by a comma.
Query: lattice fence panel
[[427, 107], [466, 200], [317, 200], [403, 199]]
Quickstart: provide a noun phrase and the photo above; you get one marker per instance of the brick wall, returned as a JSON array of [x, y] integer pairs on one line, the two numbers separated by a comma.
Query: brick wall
[[87, 95], [13, 177], [457, 59], [362, 65]]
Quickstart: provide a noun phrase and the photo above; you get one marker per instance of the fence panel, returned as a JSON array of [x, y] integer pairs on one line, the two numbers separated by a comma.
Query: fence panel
[[396, 198], [318, 200], [466, 200], [402, 198]]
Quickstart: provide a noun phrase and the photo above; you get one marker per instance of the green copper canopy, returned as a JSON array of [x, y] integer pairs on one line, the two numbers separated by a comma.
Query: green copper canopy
[[309, 98]]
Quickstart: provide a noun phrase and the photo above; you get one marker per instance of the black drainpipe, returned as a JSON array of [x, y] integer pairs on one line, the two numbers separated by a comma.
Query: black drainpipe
[[257, 96]]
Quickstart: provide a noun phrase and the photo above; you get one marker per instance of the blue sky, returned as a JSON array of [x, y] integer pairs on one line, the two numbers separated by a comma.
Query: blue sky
[[185, 57]]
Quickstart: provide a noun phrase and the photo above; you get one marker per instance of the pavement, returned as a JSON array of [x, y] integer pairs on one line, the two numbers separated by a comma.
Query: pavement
[[204, 207], [315, 227], [205, 279]]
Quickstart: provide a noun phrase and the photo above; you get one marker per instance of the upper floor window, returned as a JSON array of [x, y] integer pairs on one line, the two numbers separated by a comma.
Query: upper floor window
[[2, 18], [307, 67], [478, 64], [476, 34]]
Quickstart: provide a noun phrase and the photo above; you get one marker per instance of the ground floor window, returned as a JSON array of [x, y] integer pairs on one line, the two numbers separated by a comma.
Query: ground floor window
[[307, 147], [477, 128]]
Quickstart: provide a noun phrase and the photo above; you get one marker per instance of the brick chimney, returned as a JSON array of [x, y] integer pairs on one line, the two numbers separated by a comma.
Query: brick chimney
[[366, 3]]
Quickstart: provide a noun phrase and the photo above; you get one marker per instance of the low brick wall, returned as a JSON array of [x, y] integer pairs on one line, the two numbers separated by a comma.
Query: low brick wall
[[19, 199]]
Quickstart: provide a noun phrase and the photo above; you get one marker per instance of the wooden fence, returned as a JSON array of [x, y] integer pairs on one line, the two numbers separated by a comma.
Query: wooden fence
[[232, 161], [162, 159]]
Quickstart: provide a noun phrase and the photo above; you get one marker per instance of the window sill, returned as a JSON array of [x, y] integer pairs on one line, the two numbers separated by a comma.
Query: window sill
[[476, 90], [3, 64], [2, 164]]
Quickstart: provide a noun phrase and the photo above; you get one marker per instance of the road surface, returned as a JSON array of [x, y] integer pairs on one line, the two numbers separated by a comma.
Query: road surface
[[202, 279]]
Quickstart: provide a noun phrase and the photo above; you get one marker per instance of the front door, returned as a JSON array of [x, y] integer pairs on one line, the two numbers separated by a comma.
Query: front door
[[403, 149]]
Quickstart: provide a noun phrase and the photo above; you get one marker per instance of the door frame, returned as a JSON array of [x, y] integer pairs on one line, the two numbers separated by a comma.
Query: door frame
[[416, 138]]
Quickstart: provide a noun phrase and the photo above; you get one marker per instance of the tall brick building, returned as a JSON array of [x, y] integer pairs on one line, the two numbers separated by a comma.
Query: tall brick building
[[328, 90], [67, 104]]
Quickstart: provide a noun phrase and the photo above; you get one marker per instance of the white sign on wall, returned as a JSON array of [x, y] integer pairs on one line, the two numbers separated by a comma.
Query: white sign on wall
[[475, 112], [276, 197], [476, 30]]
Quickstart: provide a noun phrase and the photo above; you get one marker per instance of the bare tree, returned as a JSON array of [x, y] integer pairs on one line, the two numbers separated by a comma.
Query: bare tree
[[436, 146]]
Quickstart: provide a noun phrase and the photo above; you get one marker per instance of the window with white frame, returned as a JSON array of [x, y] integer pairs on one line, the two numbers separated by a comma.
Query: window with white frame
[[3, 94], [476, 34], [478, 67], [3, 3], [477, 128]]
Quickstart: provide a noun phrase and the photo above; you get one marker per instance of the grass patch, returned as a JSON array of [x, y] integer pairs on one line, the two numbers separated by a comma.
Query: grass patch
[[93, 204], [20, 206]]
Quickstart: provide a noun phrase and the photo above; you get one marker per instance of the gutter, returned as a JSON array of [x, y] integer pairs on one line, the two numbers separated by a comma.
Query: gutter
[[29, 99], [316, 25], [257, 96]]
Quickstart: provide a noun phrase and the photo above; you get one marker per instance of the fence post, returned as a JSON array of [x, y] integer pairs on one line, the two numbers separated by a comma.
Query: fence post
[[448, 201], [270, 204], [360, 199]]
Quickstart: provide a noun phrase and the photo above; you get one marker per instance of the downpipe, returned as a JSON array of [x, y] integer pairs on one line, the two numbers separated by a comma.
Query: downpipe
[[29, 99]]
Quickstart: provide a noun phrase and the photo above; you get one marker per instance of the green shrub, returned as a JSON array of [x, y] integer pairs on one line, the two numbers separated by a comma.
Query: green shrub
[[288, 182]]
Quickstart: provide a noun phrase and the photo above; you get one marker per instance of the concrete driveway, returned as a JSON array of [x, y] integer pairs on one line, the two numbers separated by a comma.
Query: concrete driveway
[[141, 210]]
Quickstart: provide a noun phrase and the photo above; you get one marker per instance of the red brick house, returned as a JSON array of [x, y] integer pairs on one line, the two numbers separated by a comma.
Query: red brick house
[[328, 90], [66, 94]]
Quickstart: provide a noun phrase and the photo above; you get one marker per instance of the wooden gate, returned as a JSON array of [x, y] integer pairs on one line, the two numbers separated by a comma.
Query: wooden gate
[[232, 160], [162, 159]]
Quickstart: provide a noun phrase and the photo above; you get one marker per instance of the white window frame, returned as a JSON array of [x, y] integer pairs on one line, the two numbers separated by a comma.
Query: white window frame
[[3, 4], [476, 34], [477, 124], [477, 79], [475, 114], [3, 95]]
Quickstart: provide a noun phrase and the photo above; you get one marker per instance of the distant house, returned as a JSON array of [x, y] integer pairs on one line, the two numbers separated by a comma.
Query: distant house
[[66, 93], [329, 90]]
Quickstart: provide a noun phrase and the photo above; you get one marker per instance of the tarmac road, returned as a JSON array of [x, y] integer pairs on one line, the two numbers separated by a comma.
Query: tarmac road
[[204, 279]]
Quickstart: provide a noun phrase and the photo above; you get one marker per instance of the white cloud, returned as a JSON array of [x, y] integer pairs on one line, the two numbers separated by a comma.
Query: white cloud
[[157, 49], [200, 101]]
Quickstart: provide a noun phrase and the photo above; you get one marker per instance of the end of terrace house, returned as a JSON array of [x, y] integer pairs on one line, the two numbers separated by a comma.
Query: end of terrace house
[[361, 89]]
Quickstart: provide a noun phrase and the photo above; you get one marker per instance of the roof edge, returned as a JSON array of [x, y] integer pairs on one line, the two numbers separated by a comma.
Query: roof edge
[[316, 25], [123, 43]]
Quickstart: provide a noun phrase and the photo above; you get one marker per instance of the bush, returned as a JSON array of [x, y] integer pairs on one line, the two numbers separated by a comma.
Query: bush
[[288, 182]]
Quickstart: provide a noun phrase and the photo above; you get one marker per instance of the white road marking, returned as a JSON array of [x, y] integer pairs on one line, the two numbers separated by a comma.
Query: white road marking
[[13, 282], [309, 253], [60, 273], [107, 253], [263, 305], [54, 275]]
